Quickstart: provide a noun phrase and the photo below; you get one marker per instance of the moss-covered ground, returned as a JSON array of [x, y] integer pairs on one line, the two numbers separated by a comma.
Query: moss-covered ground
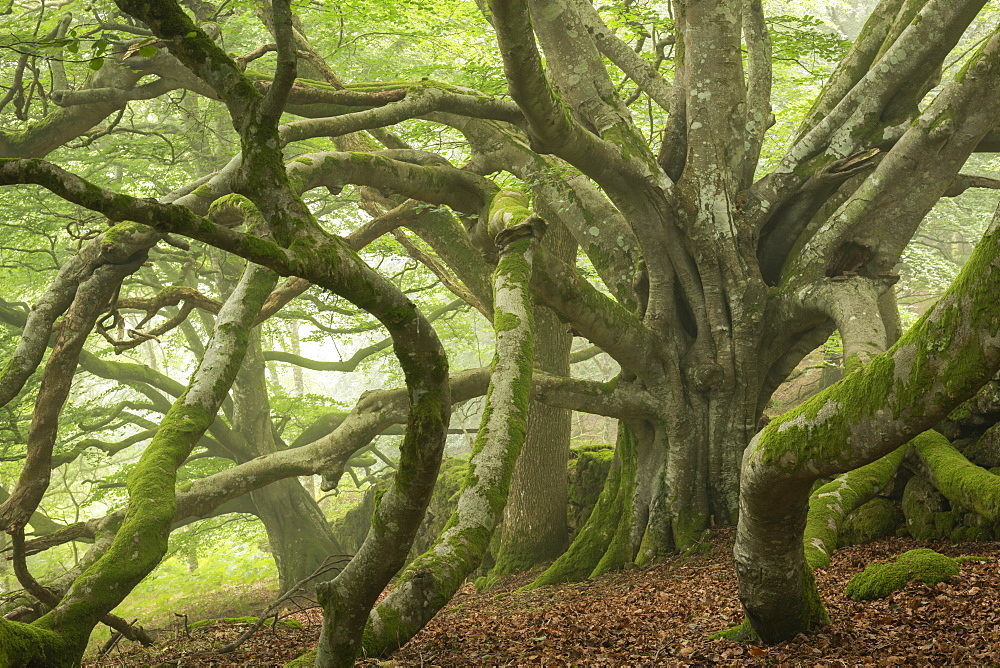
[[880, 580], [664, 615]]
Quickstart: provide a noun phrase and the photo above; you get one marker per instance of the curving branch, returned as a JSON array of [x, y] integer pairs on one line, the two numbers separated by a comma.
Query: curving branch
[[853, 120], [562, 194], [649, 80], [959, 480], [963, 182], [552, 128], [376, 412], [91, 298], [860, 57], [594, 315], [104, 446], [432, 578], [865, 416], [830, 505], [151, 487], [348, 365], [38, 322], [878, 217], [853, 305], [417, 100], [284, 76], [435, 184]]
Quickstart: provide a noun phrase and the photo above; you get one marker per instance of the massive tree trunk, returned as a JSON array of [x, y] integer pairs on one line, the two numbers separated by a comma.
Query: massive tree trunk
[[717, 282], [675, 475]]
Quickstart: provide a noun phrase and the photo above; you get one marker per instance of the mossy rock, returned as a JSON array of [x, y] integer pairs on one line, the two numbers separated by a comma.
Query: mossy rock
[[588, 468], [875, 519], [972, 534], [925, 510], [880, 580], [985, 450], [290, 623], [975, 415]]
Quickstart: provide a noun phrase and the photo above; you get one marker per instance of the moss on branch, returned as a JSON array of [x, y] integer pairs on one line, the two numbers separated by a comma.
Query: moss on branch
[[962, 482], [830, 505]]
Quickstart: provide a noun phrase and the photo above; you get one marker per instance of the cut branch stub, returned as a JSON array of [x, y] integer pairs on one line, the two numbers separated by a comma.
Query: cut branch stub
[[533, 226]]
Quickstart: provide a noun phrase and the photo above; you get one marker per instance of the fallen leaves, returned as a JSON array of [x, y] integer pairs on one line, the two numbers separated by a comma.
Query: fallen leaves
[[664, 615]]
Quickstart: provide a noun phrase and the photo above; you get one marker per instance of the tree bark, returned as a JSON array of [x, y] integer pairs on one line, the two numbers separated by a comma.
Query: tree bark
[[534, 524], [941, 361], [299, 535], [433, 578]]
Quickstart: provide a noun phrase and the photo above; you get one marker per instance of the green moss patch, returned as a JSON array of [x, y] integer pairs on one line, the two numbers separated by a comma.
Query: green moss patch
[[880, 580], [290, 623], [306, 660], [875, 519]]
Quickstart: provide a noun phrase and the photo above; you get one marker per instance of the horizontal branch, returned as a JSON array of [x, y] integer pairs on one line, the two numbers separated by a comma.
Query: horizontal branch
[[416, 100], [830, 505], [435, 184], [963, 182]]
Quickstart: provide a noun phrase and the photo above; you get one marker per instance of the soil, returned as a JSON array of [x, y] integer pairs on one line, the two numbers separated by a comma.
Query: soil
[[662, 615]]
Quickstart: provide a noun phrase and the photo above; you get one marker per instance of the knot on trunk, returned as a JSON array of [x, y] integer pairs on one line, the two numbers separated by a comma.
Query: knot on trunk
[[705, 377]]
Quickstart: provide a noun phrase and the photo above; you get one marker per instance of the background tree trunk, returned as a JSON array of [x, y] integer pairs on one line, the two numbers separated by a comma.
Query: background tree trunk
[[298, 533]]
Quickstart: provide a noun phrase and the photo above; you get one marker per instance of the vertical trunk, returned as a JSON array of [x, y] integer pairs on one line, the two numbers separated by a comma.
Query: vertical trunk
[[699, 484], [671, 480], [298, 533], [777, 589], [534, 525], [603, 542]]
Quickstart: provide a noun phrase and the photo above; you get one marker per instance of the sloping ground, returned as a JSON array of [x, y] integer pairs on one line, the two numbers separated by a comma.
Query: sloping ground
[[664, 615]]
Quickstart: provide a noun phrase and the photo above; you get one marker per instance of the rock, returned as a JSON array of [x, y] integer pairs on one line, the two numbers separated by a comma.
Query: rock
[[927, 512], [875, 519]]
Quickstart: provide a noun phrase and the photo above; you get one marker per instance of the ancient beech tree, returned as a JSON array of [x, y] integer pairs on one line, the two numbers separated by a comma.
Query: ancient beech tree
[[717, 280]]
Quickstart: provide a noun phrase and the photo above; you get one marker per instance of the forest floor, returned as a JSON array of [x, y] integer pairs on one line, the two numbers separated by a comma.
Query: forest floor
[[662, 615]]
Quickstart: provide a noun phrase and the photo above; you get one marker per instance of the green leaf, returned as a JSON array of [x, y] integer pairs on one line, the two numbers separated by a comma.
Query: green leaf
[[73, 47], [96, 63], [147, 51]]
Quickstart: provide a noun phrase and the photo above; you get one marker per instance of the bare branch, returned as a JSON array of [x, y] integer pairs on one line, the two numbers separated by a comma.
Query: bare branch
[[963, 182]]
